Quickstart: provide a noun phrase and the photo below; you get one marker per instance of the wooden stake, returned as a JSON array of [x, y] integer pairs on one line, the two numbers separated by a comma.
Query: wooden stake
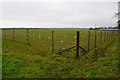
[[107, 35], [4, 34], [95, 40], [101, 38], [52, 41], [88, 39], [27, 37], [13, 35], [104, 36]]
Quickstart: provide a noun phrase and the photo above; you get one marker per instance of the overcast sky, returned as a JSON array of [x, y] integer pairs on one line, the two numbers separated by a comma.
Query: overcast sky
[[60, 13]]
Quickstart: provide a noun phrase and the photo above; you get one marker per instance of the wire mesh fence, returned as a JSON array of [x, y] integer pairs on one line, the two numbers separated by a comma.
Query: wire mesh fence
[[46, 40]]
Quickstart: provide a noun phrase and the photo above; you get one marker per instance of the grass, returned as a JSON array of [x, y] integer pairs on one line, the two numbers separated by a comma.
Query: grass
[[42, 39], [24, 61]]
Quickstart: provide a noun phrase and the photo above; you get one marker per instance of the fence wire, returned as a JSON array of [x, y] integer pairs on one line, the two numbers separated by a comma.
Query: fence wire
[[63, 39]]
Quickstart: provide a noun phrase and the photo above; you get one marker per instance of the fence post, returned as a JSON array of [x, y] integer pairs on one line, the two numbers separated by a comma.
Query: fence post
[[104, 36], [107, 35], [4, 34], [27, 37], [101, 38], [110, 34], [13, 35], [77, 45], [52, 40], [88, 39], [95, 40], [113, 33]]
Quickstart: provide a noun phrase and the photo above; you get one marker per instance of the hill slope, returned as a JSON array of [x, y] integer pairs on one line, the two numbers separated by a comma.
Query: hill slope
[[23, 61]]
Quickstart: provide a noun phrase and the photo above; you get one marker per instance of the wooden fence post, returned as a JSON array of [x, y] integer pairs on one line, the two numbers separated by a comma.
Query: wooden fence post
[[13, 34], [52, 40], [4, 34], [113, 33], [104, 36], [77, 45], [107, 35], [110, 34], [88, 39], [27, 37], [101, 38], [95, 40]]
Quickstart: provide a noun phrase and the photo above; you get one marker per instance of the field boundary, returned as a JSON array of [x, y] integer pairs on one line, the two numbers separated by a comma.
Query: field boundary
[[103, 35]]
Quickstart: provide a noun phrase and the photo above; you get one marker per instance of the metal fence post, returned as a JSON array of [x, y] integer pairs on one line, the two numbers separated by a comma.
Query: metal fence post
[[77, 45]]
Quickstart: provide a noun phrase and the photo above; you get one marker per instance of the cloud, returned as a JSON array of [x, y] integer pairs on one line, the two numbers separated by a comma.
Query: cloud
[[59, 0], [81, 14]]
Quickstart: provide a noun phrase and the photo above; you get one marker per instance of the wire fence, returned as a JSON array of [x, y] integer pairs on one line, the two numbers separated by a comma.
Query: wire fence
[[56, 40]]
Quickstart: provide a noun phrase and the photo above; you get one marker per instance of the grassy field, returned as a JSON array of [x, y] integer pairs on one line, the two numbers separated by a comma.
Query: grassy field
[[37, 61], [41, 39]]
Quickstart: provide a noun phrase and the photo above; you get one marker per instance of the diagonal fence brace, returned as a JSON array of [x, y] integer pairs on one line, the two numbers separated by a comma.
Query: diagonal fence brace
[[66, 49], [72, 48], [82, 49]]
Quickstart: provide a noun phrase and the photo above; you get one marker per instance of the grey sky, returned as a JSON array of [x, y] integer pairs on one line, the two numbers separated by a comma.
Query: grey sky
[[58, 14]]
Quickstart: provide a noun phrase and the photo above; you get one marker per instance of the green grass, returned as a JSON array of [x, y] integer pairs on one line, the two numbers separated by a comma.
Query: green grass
[[42, 38], [24, 61]]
